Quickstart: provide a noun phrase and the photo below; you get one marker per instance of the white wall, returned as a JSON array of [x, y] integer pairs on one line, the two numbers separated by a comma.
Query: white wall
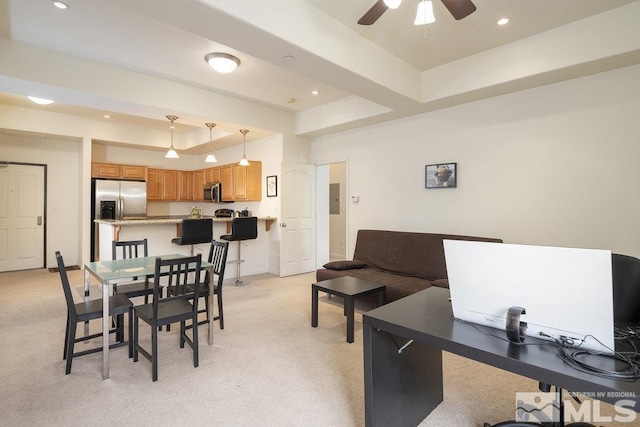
[[555, 165], [63, 211]]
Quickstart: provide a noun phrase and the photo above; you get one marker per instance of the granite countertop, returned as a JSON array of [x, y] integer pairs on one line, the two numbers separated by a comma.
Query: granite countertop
[[167, 219]]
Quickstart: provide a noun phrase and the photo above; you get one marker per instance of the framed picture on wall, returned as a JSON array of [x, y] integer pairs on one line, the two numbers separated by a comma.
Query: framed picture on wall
[[441, 175], [272, 186]]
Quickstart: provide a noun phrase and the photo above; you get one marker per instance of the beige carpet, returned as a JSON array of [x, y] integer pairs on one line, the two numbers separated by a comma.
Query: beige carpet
[[268, 367]]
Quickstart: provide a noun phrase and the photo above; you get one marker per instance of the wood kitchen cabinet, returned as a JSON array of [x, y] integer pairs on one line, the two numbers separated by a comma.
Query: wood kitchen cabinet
[[133, 172], [115, 171], [154, 184], [215, 174], [162, 184], [202, 177], [185, 185], [169, 184], [247, 182], [226, 178], [198, 185]]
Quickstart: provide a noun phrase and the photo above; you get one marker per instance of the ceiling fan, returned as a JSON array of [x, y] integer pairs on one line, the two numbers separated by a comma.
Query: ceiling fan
[[458, 8]]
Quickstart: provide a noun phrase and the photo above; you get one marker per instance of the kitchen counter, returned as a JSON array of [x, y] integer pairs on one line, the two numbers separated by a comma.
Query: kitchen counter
[[160, 230], [176, 219]]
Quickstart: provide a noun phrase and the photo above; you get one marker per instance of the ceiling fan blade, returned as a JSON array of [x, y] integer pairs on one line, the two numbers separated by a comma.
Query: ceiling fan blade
[[460, 8], [374, 13]]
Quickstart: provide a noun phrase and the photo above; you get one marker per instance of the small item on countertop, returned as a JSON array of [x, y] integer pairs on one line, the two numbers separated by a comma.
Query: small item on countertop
[[195, 212], [245, 212]]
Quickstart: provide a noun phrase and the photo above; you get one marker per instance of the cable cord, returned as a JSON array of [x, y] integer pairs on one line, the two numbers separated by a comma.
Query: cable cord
[[572, 354]]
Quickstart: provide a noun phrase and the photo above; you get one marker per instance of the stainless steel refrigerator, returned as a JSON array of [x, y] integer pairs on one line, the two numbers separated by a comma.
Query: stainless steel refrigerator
[[118, 200]]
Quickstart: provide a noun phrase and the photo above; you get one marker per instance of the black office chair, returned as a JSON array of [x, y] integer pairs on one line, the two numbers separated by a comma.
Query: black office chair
[[119, 305], [244, 228], [626, 289], [626, 310], [180, 305], [195, 231], [132, 249]]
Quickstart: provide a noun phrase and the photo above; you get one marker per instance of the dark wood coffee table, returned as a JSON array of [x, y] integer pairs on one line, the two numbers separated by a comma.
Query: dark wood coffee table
[[349, 288]]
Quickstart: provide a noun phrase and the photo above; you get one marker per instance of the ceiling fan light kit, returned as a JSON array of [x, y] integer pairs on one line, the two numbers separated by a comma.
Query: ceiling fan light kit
[[458, 8], [424, 15], [392, 4], [222, 62]]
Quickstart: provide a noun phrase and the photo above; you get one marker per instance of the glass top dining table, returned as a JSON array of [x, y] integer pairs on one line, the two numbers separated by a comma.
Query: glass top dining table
[[115, 271]]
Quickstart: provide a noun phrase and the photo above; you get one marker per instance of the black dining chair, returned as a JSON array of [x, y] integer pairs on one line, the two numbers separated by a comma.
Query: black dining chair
[[119, 305], [217, 257], [125, 249], [179, 305]]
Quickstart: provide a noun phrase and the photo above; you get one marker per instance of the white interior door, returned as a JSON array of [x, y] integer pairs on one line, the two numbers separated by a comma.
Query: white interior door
[[21, 217], [297, 227]]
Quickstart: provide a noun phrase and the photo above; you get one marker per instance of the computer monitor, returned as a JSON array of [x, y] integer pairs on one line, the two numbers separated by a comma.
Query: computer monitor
[[566, 292]]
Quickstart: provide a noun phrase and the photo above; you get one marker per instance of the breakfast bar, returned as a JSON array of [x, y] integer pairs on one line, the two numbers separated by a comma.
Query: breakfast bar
[[158, 230]]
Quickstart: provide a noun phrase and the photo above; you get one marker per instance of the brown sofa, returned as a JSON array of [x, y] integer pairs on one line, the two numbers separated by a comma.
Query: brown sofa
[[403, 261]]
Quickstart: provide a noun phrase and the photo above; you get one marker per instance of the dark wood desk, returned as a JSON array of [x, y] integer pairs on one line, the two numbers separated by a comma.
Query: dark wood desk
[[402, 388]]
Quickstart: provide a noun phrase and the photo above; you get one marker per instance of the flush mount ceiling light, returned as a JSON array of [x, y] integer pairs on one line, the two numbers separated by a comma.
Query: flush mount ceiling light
[[210, 158], [244, 161], [40, 101], [60, 4], [171, 154], [222, 62], [424, 15], [503, 21]]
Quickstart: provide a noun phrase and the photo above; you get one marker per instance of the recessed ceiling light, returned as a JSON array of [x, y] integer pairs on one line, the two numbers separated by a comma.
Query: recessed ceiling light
[[291, 100], [60, 4], [503, 21], [315, 92], [40, 101], [106, 116], [222, 62], [288, 58]]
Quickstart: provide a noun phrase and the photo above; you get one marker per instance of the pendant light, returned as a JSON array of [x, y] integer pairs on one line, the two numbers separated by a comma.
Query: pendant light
[[244, 161], [210, 158], [171, 154]]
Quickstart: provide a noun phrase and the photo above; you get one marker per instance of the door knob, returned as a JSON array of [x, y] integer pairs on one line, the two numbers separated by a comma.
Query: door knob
[[282, 224], [39, 220]]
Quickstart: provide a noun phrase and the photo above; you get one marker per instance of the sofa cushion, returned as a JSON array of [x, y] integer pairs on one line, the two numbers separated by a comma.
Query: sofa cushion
[[345, 265], [408, 253]]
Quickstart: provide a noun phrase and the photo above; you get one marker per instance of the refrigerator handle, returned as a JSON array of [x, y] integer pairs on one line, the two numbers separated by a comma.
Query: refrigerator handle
[[121, 208]]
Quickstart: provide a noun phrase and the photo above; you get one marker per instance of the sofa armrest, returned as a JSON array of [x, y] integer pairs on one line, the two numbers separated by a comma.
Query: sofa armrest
[[344, 265], [441, 283]]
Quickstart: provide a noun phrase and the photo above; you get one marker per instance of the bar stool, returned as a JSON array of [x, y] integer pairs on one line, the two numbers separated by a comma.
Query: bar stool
[[245, 228], [194, 231]]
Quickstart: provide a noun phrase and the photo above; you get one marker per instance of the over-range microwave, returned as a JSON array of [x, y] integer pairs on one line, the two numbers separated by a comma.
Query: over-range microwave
[[213, 192]]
